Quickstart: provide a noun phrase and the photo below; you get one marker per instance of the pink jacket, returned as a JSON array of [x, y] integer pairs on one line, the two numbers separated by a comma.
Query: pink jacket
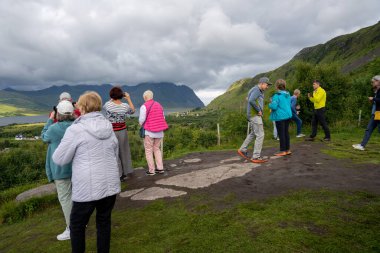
[[155, 121]]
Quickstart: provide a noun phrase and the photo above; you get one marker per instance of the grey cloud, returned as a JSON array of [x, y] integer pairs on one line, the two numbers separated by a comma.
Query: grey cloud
[[204, 44]]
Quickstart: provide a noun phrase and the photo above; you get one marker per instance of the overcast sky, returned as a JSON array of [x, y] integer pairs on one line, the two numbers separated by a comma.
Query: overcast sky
[[204, 44]]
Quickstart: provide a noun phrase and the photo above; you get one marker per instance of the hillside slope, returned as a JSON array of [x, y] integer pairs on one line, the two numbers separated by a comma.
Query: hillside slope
[[356, 54]]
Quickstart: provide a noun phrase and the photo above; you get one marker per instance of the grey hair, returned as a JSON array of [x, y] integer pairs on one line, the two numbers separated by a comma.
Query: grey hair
[[148, 94], [65, 117], [296, 91]]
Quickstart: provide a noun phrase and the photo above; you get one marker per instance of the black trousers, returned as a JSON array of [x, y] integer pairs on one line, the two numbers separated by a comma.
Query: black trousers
[[283, 133], [319, 116], [81, 213]]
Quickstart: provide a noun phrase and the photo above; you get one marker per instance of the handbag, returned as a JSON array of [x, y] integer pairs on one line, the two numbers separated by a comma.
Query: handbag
[[377, 115], [142, 130]]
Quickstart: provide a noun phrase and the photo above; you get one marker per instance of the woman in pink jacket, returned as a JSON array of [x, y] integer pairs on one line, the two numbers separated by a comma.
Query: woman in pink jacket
[[153, 120]]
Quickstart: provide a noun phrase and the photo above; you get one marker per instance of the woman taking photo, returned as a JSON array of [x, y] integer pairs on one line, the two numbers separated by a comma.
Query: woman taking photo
[[116, 113]]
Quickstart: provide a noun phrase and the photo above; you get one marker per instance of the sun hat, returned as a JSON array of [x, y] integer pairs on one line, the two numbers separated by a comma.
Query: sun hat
[[65, 107]]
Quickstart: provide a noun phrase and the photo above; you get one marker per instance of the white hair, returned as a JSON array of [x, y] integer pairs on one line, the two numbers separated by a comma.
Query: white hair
[[296, 91], [148, 94]]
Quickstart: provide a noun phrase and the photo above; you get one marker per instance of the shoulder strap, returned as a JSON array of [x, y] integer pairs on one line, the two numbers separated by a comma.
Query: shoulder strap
[[146, 117]]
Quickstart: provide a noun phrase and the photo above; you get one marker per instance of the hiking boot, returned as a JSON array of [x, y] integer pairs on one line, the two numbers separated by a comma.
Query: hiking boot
[[358, 147], [148, 173], [65, 235], [281, 153], [243, 154], [288, 152], [300, 135], [259, 159], [159, 171], [309, 139]]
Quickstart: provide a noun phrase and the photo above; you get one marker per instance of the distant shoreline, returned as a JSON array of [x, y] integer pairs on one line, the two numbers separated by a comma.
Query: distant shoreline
[[5, 121]]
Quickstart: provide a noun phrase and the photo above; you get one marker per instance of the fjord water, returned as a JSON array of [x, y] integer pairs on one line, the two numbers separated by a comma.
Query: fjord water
[[42, 118]]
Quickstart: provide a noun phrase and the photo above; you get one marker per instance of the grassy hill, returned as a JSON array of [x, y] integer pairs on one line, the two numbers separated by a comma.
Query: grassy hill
[[355, 56], [14, 104]]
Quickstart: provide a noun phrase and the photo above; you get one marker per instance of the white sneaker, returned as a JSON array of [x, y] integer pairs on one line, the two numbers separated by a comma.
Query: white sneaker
[[65, 235], [358, 147], [300, 135]]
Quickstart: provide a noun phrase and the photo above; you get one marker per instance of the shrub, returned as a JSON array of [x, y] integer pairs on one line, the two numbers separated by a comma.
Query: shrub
[[12, 212]]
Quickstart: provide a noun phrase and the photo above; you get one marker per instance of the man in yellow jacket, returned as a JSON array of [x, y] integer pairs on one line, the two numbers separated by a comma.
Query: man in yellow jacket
[[319, 99]]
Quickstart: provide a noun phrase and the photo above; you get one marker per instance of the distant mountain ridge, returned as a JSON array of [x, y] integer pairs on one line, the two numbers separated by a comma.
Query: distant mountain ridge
[[168, 94], [356, 54]]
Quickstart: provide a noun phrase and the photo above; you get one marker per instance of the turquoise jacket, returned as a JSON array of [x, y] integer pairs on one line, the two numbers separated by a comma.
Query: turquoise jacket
[[280, 106], [52, 134]]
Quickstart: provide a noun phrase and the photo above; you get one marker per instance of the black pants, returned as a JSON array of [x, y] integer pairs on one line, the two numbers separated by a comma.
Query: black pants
[[319, 116], [283, 133], [80, 214]]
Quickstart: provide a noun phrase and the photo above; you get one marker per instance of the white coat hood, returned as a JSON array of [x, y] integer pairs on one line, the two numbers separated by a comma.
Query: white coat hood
[[96, 124]]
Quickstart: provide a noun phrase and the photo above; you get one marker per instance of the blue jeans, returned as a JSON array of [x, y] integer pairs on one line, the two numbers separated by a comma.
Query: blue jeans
[[298, 122], [371, 126]]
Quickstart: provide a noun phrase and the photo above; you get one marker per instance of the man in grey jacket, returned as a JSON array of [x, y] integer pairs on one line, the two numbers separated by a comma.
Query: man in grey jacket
[[254, 116]]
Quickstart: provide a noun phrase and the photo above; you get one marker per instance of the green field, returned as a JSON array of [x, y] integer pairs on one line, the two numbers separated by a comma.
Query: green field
[[9, 111], [300, 221], [305, 221]]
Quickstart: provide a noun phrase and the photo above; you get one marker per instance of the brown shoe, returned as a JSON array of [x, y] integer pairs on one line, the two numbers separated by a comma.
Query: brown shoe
[[281, 153], [288, 152], [243, 154], [259, 160]]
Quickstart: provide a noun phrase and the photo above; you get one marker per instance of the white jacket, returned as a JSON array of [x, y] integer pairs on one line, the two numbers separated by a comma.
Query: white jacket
[[91, 145]]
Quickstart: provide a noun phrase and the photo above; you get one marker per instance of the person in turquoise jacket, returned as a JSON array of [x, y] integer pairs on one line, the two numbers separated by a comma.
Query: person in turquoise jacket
[[281, 113], [52, 133]]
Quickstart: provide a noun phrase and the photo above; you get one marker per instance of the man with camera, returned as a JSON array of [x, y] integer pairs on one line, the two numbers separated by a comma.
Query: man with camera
[[66, 96]]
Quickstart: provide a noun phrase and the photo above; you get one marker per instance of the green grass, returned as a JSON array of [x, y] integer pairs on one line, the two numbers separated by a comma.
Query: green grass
[[341, 146], [305, 221], [11, 193], [10, 110]]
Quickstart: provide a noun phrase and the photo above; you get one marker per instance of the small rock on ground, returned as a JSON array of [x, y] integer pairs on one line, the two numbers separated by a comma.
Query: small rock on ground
[[127, 194], [194, 160], [157, 193], [37, 192]]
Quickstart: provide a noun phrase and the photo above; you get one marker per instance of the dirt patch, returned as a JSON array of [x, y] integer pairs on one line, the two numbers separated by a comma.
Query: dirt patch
[[306, 168]]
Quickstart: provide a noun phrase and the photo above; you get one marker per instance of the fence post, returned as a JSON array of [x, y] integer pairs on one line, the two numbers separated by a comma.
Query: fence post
[[218, 129], [360, 117]]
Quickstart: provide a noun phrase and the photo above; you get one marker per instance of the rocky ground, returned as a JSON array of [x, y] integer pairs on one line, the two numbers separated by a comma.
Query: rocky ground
[[219, 173]]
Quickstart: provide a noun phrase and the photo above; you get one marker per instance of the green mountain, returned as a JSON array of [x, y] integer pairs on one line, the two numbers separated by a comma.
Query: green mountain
[[354, 56], [168, 94]]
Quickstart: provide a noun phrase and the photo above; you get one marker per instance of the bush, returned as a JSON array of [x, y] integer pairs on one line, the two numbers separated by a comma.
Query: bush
[[13, 211]]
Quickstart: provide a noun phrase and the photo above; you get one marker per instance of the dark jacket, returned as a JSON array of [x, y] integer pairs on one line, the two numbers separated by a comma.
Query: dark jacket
[[376, 101]]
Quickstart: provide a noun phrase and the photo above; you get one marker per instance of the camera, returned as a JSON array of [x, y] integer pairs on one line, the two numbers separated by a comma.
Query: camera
[[55, 112]]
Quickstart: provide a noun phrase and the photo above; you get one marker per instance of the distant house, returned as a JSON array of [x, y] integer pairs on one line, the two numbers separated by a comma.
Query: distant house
[[19, 137]]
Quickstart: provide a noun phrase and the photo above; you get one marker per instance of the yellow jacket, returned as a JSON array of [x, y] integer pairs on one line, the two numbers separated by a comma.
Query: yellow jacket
[[319, 98]]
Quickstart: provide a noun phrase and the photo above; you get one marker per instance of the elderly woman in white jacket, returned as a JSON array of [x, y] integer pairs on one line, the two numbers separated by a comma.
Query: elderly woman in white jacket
[[91, 145]]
